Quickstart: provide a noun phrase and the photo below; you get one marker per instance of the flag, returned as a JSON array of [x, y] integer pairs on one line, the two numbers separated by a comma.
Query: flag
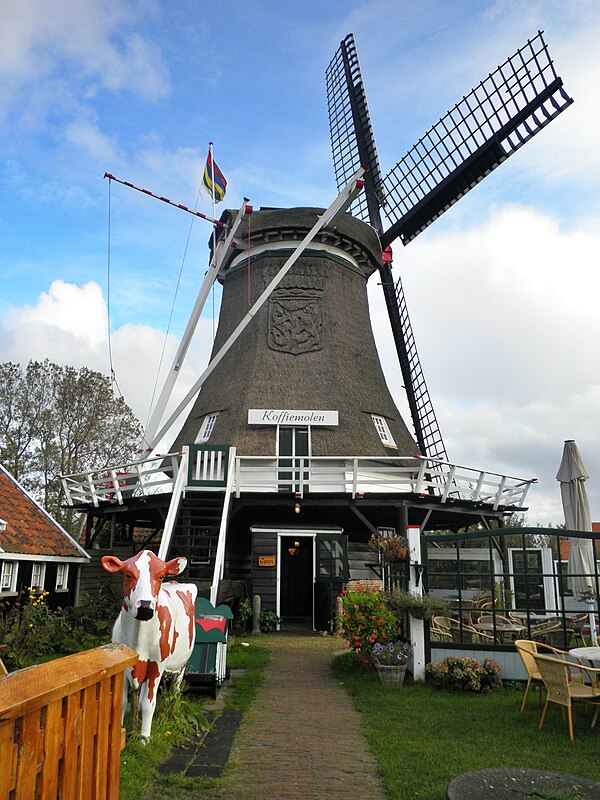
[[217, 186]]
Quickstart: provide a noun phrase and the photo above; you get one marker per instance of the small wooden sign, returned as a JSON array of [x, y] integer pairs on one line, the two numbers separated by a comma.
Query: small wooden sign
[[267, 561]]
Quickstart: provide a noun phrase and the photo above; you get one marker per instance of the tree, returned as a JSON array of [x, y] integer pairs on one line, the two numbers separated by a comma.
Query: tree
[[60, 420]]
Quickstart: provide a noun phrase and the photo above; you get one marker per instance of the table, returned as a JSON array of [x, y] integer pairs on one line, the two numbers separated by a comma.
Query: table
[[590, 654], [502, 629]]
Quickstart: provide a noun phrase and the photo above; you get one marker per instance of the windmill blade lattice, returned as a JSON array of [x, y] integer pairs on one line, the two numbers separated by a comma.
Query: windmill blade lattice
[[352, 139], [353, 143], [487, 126]]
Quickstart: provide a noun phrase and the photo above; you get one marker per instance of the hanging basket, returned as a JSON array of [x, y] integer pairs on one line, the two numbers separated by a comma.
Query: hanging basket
[[422, 613], [391, 675]]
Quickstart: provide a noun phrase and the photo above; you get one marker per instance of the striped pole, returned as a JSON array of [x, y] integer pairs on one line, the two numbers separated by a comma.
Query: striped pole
[[166, 199]]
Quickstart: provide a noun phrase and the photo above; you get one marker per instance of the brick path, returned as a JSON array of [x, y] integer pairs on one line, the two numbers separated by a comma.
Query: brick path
[[302, 737]]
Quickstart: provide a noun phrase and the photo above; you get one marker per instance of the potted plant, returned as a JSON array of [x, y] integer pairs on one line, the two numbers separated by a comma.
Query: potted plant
[[419, 606], [389, 548], [390, 660], [366, 619]]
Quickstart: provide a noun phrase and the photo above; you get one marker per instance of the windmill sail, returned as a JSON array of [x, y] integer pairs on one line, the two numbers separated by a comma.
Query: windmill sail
[[504, 111], [487, 126], [353, 143], [352, 139]]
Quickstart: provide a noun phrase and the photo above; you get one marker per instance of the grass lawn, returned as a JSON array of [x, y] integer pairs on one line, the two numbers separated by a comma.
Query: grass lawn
[[181, 718], [423, 737]]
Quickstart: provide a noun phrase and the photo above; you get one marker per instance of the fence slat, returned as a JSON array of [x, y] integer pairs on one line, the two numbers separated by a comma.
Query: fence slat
[[89, 726], [101, 760], [8, 758], [53, 741], [113, 769], [72, 739], [29, 755]]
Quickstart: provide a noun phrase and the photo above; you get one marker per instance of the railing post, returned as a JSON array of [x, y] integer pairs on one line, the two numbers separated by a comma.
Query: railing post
[[178, 489], [415, 586]]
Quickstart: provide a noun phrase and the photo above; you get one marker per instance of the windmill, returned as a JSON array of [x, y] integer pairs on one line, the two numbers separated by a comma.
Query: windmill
[[293, 443], [506, 109]]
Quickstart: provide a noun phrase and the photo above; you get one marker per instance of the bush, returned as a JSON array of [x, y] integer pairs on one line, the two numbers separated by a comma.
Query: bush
[[35, 633], [365, 619], [243, 620], [464, 674]]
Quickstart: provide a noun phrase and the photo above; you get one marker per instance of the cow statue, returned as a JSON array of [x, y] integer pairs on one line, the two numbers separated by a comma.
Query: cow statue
[[157, 621]]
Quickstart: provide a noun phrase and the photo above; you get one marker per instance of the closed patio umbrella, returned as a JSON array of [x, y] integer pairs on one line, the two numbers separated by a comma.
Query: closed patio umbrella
[[572, 476]]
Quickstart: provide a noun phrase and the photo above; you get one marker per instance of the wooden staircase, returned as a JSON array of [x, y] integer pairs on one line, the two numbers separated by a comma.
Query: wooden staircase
[[196, 533]]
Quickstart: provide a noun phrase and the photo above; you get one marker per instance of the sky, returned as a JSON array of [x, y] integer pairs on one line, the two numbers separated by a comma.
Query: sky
[[502, 290]]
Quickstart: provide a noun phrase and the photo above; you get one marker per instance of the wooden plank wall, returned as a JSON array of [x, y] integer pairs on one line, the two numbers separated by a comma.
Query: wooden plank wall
[[94, 577], [60, 727], [264, 579]]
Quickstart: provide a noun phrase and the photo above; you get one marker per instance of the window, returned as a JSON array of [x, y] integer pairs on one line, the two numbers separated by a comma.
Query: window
[[8, 577], [62, 577], [207, 427], [383, 430], [38, 573]]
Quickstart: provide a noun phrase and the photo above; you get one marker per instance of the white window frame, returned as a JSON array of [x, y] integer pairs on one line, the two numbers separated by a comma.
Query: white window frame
[[14, 571], [383, 430], [42, 574], [63, 586], [208, 424]]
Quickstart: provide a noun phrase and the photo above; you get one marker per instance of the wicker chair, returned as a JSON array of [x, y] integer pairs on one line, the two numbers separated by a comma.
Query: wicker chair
[[562, 689], [527, 650], [552, 633], [439, 634]]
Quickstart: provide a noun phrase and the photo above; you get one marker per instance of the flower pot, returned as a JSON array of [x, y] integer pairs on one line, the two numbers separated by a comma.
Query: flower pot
[[391, 675]]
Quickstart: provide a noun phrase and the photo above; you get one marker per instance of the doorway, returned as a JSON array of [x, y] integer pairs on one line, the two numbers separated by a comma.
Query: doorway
[[293, 444], [297, 578]]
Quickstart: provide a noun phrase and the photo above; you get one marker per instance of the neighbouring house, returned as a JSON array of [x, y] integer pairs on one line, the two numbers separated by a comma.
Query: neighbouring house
[[35, 551]]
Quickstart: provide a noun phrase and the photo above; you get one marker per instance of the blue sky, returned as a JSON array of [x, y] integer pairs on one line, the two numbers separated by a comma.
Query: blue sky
[[502, 290]]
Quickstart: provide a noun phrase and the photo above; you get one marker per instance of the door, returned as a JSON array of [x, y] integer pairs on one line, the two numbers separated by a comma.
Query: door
[[296, 587], [292, 444], [332, 573]]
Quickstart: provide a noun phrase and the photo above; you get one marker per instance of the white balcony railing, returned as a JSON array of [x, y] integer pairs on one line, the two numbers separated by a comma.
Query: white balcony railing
[[352, 475]]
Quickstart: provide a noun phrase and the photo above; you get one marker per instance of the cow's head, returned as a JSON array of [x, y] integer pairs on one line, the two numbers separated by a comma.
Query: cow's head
[[143, 574]]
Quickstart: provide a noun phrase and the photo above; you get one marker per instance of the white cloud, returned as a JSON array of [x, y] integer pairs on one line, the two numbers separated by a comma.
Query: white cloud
[[89, 41], [68, 325], [505, 319]]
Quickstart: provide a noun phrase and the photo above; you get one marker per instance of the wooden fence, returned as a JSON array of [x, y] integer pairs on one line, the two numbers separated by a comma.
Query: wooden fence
[[60, 727]]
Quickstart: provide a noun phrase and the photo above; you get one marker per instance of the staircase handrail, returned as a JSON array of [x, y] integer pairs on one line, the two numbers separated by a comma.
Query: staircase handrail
[[178, 492], [220, 554]]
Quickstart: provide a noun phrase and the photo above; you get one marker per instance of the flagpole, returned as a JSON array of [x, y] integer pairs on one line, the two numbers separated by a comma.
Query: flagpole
[[214, 235]]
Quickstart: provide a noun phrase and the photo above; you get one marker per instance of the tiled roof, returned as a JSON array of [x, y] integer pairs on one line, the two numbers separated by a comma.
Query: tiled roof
[[29, 529], [565, 544]]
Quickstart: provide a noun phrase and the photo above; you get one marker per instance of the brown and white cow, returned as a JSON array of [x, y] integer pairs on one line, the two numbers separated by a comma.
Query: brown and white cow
[[157, 621]]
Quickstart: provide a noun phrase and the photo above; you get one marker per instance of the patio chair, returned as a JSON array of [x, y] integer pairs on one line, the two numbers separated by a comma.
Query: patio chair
[[562, 689], [581, 629], [527, 650], [439, 634], [451, 625], [471, 634], [552, 633]]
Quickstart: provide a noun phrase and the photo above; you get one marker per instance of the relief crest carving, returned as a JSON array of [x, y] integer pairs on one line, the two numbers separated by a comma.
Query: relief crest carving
[[295, 322]]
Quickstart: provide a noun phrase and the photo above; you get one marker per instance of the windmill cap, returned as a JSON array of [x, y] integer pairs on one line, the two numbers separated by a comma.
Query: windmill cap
[[292, 224]]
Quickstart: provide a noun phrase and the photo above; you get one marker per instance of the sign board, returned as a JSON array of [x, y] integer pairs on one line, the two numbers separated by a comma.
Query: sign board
[[287, 416], [267, 561]]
